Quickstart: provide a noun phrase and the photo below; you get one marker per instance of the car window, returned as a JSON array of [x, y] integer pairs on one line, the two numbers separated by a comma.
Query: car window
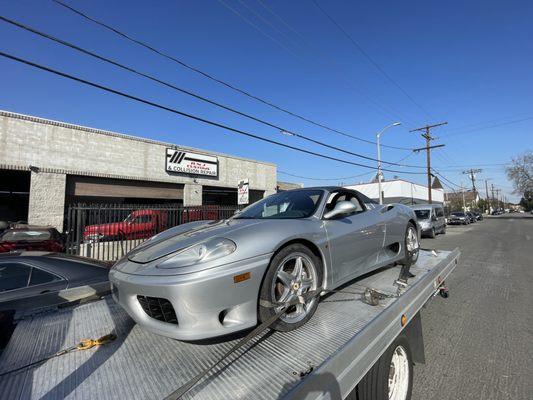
[[142, 219], [31, 235], [38, 277], [440, 212], [284, 205], [422, 214], [14, 276]]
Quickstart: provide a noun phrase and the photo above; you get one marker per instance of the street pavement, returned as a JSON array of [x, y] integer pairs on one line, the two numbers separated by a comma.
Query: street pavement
[[479, 341]]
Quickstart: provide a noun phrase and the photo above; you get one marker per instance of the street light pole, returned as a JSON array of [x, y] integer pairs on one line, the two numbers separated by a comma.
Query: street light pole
[[378, 137]]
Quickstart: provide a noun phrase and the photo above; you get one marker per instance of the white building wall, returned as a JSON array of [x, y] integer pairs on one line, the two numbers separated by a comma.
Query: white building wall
[[399, 189]]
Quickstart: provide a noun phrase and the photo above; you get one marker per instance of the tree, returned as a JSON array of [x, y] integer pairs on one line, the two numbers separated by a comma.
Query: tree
[[527, 201], [520, 172]]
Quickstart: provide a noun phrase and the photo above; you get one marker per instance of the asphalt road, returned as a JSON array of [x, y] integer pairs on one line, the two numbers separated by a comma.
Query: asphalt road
[[479, 341]]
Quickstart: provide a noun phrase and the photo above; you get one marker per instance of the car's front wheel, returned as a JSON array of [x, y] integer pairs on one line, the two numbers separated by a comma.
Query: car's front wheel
[[411, 245], [293, 271]]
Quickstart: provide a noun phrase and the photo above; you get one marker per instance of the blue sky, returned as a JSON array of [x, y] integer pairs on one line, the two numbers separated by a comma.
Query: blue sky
[[468, 63]]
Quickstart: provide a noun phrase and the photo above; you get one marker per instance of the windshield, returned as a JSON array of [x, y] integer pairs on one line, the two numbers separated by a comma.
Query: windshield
[[422, 214], [19, 236], [284, 205]]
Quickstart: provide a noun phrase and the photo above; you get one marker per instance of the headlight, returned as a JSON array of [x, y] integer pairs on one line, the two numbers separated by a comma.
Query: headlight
[[202, 252]]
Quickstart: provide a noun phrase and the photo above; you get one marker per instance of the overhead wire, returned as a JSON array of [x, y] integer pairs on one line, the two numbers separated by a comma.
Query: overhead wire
[[215, 79], [383, 108], [370, 59], [190, 93], [187, 115]]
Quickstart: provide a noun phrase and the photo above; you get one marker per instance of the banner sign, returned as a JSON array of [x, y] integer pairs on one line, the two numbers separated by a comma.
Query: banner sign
[[187, 162], [243, 191]]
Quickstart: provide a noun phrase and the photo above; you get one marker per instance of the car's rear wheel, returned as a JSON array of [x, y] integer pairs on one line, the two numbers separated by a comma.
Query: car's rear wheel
[[293, 271], [432, 233]]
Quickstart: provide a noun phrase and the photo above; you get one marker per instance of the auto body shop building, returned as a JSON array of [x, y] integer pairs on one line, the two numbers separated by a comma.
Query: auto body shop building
[[47, 165]]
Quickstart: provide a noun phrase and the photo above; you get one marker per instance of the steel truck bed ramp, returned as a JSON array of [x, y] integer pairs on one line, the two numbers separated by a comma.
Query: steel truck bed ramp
[[325, 358]]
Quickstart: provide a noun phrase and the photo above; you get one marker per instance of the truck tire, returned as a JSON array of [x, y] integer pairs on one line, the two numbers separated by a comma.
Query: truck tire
[[432, 233], [391, 377]]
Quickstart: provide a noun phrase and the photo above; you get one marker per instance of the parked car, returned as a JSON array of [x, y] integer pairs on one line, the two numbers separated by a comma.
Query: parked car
[[458, 218], [37, 238], [430, 218], [478, 215], [140, 224], [29, 274], [206, 279], [471, 216]]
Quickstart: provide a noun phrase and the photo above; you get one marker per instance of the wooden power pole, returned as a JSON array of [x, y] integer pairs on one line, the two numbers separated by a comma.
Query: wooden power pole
[[427, 135]]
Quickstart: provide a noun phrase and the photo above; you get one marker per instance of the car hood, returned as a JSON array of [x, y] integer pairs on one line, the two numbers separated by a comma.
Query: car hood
[[106, 229], [186, 235]]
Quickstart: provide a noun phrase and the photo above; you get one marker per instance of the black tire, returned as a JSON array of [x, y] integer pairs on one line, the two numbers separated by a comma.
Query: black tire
[[410, 259], [444, 230], [265, 292], [375, 384], [432, 233]]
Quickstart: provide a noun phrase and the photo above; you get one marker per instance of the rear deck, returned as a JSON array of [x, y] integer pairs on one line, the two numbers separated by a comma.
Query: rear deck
[[339, 344]]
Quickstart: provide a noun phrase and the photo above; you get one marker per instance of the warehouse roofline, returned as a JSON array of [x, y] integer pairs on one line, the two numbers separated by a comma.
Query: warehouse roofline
[[45, 121]]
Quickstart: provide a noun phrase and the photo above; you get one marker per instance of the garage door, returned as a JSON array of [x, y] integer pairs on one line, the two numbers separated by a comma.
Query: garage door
[[82, 186]]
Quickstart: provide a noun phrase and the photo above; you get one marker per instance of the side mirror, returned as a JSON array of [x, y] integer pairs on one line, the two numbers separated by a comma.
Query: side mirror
[[433, 218], [341, 208]]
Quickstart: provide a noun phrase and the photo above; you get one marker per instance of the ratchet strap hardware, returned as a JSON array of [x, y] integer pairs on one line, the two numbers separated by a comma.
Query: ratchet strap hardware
[[373, 296], [84, 344]]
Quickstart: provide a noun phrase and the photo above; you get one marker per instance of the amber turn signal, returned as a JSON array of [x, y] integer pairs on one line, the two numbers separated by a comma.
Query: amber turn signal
[[403, 320], [242, 277]]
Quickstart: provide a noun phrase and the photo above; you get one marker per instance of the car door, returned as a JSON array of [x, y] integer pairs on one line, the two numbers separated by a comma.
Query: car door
[[20, 280], [354, 240]]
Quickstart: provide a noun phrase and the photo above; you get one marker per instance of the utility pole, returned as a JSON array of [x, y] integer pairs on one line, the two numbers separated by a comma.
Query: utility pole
[[463, 193], [472, 173], [487, 193], [427, 135]]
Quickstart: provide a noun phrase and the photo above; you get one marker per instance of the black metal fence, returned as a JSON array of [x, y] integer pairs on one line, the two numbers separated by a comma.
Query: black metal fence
[[108, 231]]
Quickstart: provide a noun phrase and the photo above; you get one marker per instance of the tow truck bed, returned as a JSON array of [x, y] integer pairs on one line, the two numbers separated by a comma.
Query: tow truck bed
[[327, 357]]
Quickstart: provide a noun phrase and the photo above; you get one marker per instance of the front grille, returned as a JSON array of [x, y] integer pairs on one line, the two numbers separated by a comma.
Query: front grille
[[158, 308]]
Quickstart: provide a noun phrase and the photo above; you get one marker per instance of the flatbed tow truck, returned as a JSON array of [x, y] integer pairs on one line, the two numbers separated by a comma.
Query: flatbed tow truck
[[360, 344]]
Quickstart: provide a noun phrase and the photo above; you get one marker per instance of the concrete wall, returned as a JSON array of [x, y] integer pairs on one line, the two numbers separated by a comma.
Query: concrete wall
[[72, 149], [57, 149], [47, 199]]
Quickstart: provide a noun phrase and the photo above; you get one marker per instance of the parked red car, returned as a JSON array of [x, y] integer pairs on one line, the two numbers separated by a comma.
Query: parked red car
[[37, 238], [140, 224]]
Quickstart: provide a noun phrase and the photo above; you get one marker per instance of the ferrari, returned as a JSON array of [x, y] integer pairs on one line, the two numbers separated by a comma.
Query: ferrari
[[205, 279]]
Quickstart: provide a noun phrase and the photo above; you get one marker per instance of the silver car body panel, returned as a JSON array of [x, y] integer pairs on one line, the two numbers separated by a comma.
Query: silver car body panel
[[205, 297]]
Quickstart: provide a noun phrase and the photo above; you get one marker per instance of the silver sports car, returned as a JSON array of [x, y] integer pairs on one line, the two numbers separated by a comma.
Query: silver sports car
[[211, 278]]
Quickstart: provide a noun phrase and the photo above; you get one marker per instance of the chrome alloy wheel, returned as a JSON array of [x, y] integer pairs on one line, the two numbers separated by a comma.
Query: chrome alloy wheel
[[295, 275], [412, 243], [399, 374]]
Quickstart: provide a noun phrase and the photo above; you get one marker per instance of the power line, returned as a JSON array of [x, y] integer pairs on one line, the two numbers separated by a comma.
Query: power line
[[487, 127], [191, 116], [370, 59], [187, 92], [385, 109], [213, 78], [324, 179]]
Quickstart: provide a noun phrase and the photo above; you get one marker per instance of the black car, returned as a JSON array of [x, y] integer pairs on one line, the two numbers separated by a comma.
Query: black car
[[471, 216], [30, 274], [458, 218], [478, 215]]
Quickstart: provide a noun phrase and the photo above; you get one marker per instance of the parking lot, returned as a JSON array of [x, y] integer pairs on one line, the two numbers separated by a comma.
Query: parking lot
[[479, 340]]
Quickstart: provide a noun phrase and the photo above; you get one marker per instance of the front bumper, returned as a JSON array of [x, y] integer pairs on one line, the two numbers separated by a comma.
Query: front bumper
[[207, 303]]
